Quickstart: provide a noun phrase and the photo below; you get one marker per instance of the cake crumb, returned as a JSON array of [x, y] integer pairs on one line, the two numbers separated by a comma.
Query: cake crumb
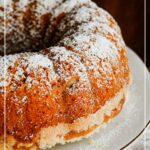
[[90, 141]]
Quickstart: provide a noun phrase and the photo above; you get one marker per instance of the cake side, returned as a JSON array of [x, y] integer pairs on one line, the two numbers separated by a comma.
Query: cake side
[[81, 128]]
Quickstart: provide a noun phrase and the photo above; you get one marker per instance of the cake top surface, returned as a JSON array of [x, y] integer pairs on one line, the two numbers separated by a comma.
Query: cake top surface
[[65, 57]]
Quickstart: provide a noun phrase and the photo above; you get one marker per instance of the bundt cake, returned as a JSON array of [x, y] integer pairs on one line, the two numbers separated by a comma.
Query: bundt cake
[[63, 71]]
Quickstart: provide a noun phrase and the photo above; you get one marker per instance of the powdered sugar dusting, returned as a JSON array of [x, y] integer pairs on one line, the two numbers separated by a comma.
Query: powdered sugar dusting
[[67, 65], [84, 44], [27, 63], [88, 42]]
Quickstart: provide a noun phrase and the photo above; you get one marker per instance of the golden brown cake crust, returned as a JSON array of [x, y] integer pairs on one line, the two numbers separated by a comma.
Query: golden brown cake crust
[[85, 66], [70, 132]]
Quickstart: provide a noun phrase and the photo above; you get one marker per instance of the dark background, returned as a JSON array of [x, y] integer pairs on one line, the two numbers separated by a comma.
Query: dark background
[[130, 16]]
